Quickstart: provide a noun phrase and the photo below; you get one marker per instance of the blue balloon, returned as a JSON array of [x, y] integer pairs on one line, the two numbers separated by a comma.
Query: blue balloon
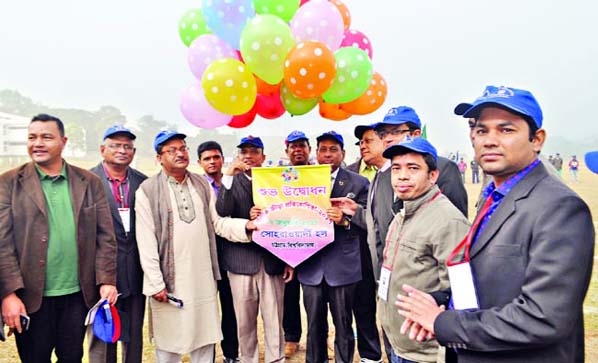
[[227, 18], [592, 161]]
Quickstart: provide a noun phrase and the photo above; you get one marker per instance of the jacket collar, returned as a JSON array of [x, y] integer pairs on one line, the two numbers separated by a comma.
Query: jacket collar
[[412, 206], [508, 206]]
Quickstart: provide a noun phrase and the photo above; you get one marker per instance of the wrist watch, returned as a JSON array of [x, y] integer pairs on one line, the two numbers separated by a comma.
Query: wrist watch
[[346, 222]]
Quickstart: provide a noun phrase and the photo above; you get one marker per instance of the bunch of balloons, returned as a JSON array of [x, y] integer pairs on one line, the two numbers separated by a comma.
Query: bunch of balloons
[[268, 57]]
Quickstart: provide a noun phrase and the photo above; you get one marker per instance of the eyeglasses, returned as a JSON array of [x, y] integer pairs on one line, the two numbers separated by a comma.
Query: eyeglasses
[[394, 132], [115, 147], [173, 151]]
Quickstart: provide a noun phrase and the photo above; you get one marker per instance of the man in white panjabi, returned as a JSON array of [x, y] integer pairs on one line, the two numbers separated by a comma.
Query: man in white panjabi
[[176, 226]]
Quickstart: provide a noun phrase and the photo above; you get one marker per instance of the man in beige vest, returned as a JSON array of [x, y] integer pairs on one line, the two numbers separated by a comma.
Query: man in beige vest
[[176, 226]]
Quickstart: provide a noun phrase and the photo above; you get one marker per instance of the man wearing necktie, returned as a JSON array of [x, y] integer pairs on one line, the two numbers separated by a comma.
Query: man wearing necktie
[[529, 255]]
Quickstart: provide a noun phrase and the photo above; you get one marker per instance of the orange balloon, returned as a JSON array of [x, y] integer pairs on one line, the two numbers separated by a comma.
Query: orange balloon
[[332, 111], [265, 88], [370, 100], [345, 13], [309, 69]]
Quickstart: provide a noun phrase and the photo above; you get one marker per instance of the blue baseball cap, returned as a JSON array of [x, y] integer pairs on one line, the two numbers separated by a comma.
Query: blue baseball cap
[[251, 140], [295, 136], [119, 129], [164, 136], [332, 135], [516, 100], [410, 144], [106, 323], [400, 115]]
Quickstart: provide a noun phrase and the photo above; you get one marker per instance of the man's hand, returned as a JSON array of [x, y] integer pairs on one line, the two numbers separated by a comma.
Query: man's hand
[[335, 214], [251, 226], [255, 212], [288, 274], [347, 205], [109, 292], [12, 308], [419, 307], [161, 296], [236, 167]]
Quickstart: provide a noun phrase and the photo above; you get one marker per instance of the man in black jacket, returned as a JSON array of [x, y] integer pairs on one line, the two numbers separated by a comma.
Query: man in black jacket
[[256, 276]]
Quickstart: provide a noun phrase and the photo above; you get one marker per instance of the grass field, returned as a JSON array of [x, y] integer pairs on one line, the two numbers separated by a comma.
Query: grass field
[[587, 188]]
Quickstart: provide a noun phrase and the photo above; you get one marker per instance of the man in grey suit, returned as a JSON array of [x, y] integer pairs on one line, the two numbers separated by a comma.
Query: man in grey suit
[[329, 277], [531, 249], [120, 182]]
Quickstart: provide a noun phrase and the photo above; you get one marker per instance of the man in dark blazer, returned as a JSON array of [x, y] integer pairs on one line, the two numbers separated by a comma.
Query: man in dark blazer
[[256, 276], [329, 277], [57, 247], [364, 306], [120, 184], [532, 248]]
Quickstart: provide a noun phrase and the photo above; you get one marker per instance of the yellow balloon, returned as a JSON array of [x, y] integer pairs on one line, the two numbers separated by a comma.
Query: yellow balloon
[[229, 86]]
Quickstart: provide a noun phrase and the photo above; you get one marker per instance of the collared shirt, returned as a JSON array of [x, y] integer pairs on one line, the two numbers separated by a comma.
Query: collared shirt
[[62, 277], [367, 171], [120, 188], [182, 195], [498, 194], [333, 176], [212, 182]]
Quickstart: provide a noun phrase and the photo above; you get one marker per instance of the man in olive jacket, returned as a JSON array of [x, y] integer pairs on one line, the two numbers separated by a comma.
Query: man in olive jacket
[[57, 247]]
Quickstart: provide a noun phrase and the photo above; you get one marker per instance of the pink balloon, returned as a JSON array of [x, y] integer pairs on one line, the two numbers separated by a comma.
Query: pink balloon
[[355, 38], [199, 112], [204, 50], [318, 20], [303, 2]]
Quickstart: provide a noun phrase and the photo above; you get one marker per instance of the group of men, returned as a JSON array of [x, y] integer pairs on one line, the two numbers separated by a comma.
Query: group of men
[[507, 288]]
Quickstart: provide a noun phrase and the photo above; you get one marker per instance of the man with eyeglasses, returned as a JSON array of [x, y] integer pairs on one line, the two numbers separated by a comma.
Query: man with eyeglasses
[[256, 276], [298, 150], [330, 276], [176, 226], [120, 184]]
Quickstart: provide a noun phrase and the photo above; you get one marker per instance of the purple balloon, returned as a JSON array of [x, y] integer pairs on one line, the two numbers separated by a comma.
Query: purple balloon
[[199, 112], [204, 50], [319, 20]]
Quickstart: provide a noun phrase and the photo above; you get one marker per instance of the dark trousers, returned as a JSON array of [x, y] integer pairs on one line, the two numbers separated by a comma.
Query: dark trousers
[[228, 324], [57, 326], [340, 299], [291, 319], [364, 308], [131, 310]]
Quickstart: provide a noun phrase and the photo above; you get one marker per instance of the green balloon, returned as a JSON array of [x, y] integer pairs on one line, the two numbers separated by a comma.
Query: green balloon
[[354, 71], [294, 105], [192, 25], [265, 42], [284, 9]]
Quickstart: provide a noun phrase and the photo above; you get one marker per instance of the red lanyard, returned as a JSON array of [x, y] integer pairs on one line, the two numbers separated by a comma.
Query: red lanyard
[[392, 230], [118, 190], [466, 243]]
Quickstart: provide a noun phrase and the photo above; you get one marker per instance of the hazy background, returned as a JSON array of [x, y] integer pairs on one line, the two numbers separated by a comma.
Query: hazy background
[[433, 54]]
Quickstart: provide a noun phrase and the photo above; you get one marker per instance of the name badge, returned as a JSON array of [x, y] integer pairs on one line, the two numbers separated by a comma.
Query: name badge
[[125, 217], [462, 287], [384, 283]]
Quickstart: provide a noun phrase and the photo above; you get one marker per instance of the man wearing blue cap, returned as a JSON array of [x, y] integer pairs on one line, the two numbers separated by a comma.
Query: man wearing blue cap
[[329, 277], [298, 150], [176, 227], [120, 184], [57, 247], [420, 239], [519, 289], [256, 276]]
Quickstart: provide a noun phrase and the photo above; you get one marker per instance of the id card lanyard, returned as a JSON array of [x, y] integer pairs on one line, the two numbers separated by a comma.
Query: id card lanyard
[[462, 285], [118, 190], [386, 271]]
